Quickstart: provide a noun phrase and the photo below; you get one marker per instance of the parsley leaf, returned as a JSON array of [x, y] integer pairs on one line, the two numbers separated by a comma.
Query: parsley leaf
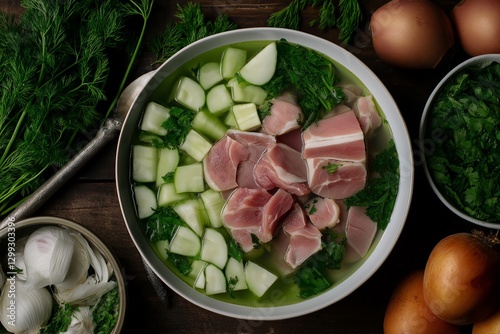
[[331, 168], [235, 250], [178, 126], [379, 194], [105, 312], [312, 277], [162, 224]]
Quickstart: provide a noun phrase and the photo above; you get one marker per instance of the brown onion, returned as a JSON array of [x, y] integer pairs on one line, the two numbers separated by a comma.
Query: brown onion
[[478, 26], [462, 279], [408, 313], [489, 325], [411, 33]]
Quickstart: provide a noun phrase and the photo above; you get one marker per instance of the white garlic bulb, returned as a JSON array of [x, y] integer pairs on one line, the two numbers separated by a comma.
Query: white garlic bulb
[[80, 263], [23, 309], [47, 256]]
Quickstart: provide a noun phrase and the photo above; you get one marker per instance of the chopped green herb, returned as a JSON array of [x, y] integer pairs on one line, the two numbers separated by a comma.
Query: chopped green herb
[[162, 224], [60, 319], [181, 262], [232, 281], [310, 74], [331, 168], [311, 278], [345, 15], [178, 126], [169, 177], [105, 312], [379, 194], [235, 250], [465, 161]]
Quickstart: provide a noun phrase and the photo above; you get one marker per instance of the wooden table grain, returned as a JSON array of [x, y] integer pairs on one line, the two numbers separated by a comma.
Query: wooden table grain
[[91, 200]]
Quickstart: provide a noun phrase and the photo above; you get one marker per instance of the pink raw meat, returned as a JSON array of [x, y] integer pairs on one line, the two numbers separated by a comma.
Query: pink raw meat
[[280, 166], [360, 231], [323, 212], [348, 179], [220, 165], [337, 137], [256, 143]]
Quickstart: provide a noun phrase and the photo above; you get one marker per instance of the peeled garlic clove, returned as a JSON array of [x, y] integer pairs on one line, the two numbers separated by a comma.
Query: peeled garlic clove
[[47, 256], [81, 322], [80, 263], [22, 309]]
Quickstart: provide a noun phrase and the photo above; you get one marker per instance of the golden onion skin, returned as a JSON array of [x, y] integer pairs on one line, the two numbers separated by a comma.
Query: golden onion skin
[[411, 33], [462, 279], [477, 24]]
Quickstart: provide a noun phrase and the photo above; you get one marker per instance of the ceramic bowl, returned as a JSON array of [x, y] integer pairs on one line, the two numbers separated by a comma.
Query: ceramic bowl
[[384, 240], [426, 142], [18, 229]]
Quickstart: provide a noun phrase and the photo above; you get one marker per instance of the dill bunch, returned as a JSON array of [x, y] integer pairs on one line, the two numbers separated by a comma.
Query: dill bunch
[[191, 25], [342, 14], [54, 84]]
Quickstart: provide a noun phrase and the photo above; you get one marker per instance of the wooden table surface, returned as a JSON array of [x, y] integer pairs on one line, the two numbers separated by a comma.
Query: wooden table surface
[[91, 200]]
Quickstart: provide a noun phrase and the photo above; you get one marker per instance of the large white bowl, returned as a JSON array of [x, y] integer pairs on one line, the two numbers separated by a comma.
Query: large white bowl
[[481, 60], [384, 241]]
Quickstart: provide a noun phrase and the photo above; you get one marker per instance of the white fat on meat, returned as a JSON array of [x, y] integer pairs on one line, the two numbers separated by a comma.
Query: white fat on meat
[[360, 232], [346, 180], [336, 137], [351, 92], [280, 166], [367, 114], [256, 143], [323, 212], [284, 116], [220, 165]]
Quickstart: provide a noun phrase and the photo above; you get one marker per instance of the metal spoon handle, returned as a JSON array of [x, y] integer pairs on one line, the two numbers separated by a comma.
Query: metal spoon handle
[[33, 202]]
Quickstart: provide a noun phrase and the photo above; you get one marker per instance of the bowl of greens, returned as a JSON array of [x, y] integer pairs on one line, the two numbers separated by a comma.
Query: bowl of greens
[[264, 173], [57, 276], [459, 140]]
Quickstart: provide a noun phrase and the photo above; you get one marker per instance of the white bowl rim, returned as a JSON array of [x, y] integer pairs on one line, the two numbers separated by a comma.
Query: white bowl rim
[[481, 60], [389, 236]]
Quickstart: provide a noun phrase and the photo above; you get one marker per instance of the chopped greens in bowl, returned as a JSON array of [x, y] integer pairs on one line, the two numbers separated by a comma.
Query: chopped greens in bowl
[[460, 140]]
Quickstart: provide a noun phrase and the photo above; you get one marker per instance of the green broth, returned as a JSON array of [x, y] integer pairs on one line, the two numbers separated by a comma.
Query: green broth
[[284, 291]]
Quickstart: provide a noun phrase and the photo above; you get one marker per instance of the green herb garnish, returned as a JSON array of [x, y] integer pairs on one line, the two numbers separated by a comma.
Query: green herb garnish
[[311, 75], [162, 224], [464, 127], [181, 262], [60, 319], [331, 168], [178, 126], [235, 250], [345, 15], [312, 277], [379, 194], [105, 312]]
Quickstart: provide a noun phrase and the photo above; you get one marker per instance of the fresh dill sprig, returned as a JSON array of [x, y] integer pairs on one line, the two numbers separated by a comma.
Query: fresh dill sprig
[[345, 16], [54, 86], [191, 26]]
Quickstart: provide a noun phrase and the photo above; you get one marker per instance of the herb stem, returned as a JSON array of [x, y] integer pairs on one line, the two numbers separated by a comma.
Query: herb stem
[[145, 12], [13, 138]]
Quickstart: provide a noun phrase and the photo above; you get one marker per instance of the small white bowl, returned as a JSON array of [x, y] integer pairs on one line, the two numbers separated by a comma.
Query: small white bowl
[[481, 60], [25, 227], [384, 240]]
